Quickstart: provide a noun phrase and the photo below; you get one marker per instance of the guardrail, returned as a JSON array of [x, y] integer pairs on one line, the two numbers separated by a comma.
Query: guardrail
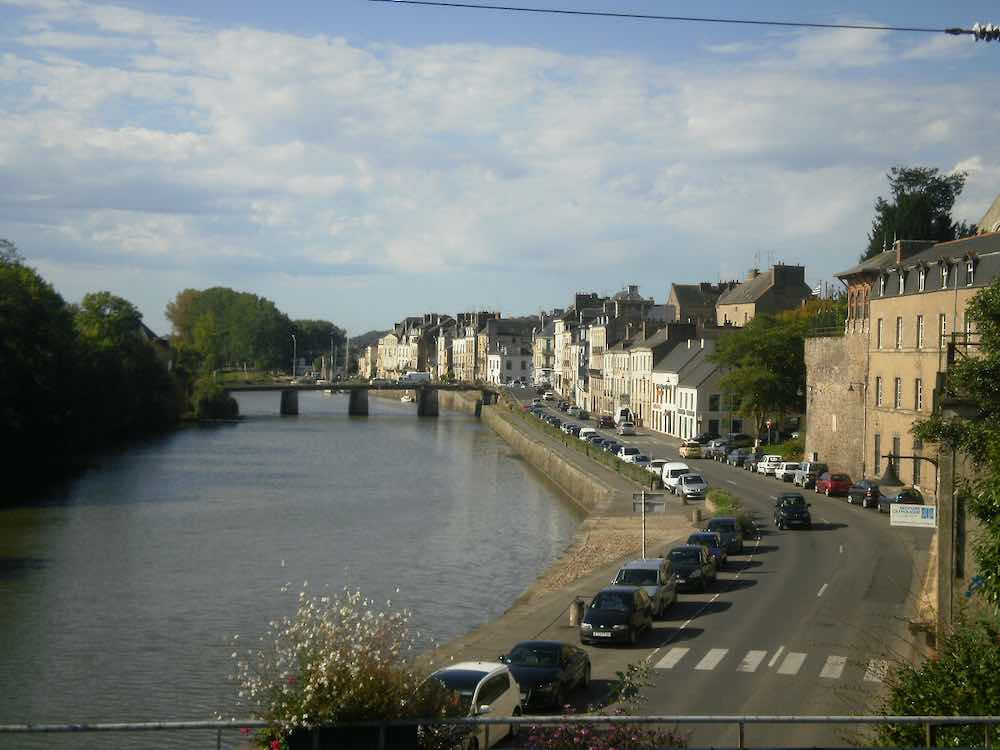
[[738, 722]]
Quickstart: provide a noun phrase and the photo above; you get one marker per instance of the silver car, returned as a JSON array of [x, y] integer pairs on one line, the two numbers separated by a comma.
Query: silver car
[[655, 576], [692, 486]]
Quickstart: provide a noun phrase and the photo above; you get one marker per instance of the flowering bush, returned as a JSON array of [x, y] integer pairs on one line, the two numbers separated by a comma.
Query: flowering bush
[[337, 659]]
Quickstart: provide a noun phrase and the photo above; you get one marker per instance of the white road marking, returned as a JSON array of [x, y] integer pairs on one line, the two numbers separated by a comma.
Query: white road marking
[[777, 655], [841, 549], [712, 659], [821, 590], [876, 671], [792, 663], [774, 497], [834, 667], [673, 656], [824, 520], [732, 482], [751, 661]]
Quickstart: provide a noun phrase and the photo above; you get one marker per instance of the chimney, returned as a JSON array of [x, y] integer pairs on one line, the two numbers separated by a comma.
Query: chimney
[[753, 274], [633, 289], [907, 248]]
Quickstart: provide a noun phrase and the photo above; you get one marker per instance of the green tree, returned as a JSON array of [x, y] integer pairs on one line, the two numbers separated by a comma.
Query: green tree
[[314, 338], [919, 209], [9, 256]]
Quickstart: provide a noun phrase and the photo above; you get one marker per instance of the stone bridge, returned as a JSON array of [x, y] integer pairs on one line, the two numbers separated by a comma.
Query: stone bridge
[[425, 394]]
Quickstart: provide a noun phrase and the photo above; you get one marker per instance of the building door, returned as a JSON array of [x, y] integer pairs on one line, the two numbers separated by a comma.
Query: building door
[[713, 426]]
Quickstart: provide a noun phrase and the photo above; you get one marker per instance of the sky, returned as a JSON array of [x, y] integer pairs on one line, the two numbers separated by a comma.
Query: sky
[[363, 161]]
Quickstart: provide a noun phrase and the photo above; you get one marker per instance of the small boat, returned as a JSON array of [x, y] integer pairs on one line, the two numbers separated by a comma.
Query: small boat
[[407, 398]]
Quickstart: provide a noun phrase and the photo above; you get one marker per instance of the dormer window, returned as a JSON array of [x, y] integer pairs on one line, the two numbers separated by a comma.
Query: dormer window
[[944, 274], [970, 271], [902, 282], [881, 285], [921, 279]]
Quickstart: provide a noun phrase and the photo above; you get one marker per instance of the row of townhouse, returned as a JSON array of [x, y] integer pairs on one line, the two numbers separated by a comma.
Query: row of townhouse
[[906, 324]]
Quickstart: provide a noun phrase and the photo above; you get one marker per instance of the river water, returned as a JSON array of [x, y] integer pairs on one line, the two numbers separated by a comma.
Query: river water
[[119, 591]]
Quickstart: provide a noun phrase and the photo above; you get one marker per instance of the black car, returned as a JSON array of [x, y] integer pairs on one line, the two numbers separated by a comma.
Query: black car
[[596, 440], [705, 437], [547, 671], [693, 565], [865, 493], [617, 613], [555, 422], [738, 456], [611, 446], [908, 496], [729, 529], [574, 429], [791, 509]]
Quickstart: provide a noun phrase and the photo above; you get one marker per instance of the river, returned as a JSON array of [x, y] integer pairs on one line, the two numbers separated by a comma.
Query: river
[[119, 590]]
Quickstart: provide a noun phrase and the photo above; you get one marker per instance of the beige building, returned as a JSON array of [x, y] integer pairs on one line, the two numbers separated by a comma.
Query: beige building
[[367, 366], [543, 353], [779, 288], [695, 303]]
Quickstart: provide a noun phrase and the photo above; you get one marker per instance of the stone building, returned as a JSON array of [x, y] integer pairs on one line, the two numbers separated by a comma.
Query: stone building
[[779, 288], [695, 303], [657, 340], [543, 352]]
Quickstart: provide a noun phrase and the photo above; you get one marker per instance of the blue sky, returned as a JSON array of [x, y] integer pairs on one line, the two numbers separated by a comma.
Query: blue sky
[[365, 161]]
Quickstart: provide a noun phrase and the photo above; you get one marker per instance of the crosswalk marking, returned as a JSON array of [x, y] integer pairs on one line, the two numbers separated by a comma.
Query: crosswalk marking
[[751, 661], [673, 656], [876, 670], [834, 667], [712, 659], [792, 663]]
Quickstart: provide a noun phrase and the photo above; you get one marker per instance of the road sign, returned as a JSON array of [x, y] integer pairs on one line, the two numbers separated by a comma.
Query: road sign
[[923, 516]]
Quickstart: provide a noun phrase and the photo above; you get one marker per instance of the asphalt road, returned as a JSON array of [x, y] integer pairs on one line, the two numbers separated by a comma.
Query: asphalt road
[[803, 623]]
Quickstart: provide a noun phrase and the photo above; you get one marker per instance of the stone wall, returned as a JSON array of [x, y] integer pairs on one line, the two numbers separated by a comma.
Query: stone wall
[[835, 401]]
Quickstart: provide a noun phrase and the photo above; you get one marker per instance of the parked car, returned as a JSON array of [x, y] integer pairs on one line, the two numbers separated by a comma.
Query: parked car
[[769, 464], [738, 456], [584, 414], [549, 395], [907, 496], [623, 414], [672, 472], [605, 420], [573, 429], [627, 452], [805, 477], [611, 446], [573, 411], [547, 672], [751, 462], [690, 449], [791, 509], [833, 484], [617, 613], [626, 428], [555, 422], [641, 460], [711, 541], [739, 440], [864, 492], [692, 486], [714, 449], [656, 466], [586, 433], [729, 529], [786, 470], [655, 576], [597, 440], [693, 565], [704, 437], [484, 689], [562, 405]]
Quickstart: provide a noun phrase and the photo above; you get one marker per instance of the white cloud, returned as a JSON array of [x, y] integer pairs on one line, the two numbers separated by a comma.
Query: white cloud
[[311, 154]]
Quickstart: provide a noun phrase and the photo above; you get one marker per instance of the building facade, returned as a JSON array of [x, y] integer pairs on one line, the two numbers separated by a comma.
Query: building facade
[[779, 288]]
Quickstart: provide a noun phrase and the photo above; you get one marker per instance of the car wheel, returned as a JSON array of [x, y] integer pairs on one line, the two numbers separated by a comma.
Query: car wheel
[[515, 729], [828, 492], [704, 586], [586, 677], [632, 637]]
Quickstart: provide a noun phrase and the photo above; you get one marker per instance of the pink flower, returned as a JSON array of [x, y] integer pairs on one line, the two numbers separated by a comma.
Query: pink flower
[[291, 679], [275, 744]]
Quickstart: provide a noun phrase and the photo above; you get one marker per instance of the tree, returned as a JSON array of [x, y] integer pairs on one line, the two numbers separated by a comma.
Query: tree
[[920, 208], [9, 256]]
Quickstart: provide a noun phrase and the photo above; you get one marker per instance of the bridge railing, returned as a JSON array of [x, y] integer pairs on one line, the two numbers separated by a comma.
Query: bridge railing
[[738, 722]]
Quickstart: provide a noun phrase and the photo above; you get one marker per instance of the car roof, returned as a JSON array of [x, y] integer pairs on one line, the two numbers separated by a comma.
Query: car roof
[[619, 589], [486, 667], [686, 547], [540, 644], [676, 465], [645, 564]]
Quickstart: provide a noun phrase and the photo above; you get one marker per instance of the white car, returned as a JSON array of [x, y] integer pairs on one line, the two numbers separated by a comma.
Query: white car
[[573, 411], [626, 428], [486, 689], [627, 453], [549, 395], [586, 432], [656, 466], [641, 460], [692, 486], [786, 470], [672, 472], [768, 465]]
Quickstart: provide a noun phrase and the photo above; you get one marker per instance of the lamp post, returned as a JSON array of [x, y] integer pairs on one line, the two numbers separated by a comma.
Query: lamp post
[[294, 351]]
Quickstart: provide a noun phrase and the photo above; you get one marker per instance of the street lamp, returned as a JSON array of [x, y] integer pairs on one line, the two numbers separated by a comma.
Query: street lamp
[[294, 357]]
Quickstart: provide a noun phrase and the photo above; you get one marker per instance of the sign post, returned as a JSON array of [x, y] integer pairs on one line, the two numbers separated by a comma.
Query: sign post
[[647, 501]]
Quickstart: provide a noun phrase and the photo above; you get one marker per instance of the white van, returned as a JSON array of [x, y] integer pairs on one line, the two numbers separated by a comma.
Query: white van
[[623, 414], [417, 377], [672, 473], [769, 464], [586, 432]]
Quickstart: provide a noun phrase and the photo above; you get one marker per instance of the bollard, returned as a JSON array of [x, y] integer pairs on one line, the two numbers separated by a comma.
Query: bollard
[[576, 612], [696, 515]]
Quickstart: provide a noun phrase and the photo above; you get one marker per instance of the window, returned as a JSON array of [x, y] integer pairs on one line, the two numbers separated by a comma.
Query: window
[[878, 334], [524, 365], [918, 398], [902, 282], [510, 365], [921, 279], [920, 332], [878, 390], [899, 332], [944, 274], [713, 403], [881, 285], [943, 330], [970, 272], [878, 453], [833, 423], [897, 393], [916, 465], [896, 453]]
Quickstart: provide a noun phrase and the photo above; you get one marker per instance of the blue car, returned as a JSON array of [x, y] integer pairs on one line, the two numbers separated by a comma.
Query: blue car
[[712, 541]]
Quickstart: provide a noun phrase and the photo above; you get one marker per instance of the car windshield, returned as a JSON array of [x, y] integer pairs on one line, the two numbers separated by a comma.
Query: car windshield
[[534, 656], [684, 555], [705, 540], [616, 601], [840, 478], [630, 451], [716, 525], [636, 577], [692, 479]]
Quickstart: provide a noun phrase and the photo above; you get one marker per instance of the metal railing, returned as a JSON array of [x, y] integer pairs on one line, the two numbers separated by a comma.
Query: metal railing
[[740, 723]]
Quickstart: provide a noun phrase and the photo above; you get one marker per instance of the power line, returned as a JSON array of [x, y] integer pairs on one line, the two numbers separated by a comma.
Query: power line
[[691, 19]]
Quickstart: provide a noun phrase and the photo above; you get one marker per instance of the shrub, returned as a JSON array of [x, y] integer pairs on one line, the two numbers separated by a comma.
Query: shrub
[[726, 505], [211, 401], [338, 659]]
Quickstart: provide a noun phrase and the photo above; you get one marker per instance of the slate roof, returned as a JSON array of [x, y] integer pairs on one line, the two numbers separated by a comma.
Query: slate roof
[[876, 263], [678, 357], [548, 330], [699, 369], [749, 291], [693, 295]]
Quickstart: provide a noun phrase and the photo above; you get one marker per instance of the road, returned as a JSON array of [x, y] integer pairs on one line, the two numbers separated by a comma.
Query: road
[[803, 623]]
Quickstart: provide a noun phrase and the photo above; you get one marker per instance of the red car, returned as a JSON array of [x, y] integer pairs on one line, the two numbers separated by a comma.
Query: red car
[[606, 420], [833, 484]]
